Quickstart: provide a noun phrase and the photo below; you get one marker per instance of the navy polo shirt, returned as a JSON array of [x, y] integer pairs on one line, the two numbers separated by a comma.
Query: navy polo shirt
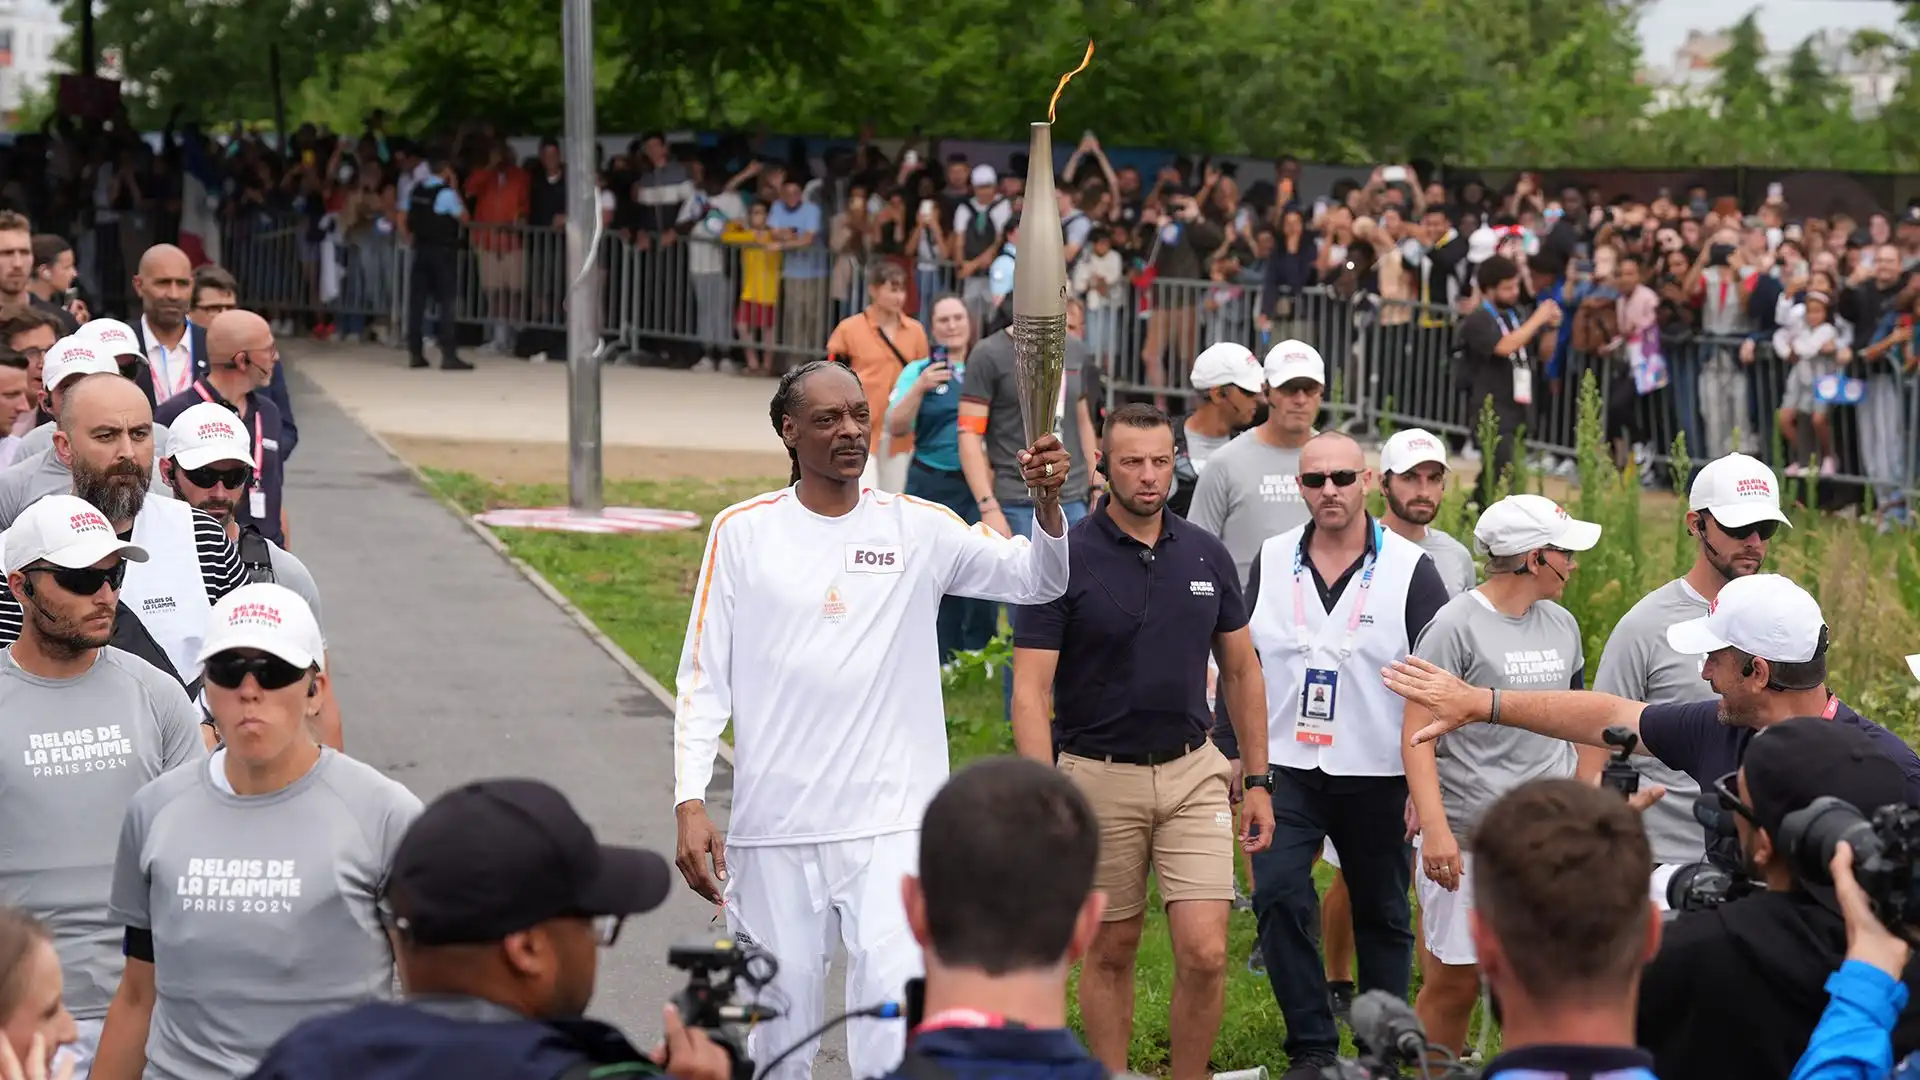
[[1134, 630], [271, 476]]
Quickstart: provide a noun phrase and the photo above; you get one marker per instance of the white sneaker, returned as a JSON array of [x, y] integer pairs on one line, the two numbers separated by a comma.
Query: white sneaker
[[704, 364], [731, 367]]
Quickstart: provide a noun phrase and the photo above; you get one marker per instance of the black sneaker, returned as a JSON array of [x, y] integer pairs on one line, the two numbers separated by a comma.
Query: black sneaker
[[1308, 1066], [417, 361], [454, 363], [1342, 995]]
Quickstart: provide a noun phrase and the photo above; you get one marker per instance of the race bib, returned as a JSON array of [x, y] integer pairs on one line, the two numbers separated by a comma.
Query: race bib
[[874, 559]]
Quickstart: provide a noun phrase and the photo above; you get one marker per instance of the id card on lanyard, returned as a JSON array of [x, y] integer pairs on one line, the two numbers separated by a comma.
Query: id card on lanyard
[[256, 495], [1522, 366], [1319, 692]]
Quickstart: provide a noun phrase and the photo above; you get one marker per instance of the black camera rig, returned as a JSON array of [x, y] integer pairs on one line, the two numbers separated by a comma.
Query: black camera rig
[[721, 973]]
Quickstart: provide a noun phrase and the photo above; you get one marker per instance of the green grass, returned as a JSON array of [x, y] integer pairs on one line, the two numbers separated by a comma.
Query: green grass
[[638, 589]]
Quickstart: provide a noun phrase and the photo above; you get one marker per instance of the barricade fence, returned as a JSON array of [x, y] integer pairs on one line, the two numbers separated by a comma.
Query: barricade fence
[[1390, 363]]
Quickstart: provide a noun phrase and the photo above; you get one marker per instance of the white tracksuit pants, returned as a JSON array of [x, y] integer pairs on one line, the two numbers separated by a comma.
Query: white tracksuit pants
[[797, 901]]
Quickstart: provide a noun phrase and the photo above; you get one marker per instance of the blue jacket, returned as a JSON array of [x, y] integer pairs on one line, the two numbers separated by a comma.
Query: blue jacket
[[436, 1039], [1855, 1038], [1000, 1054], [276, 390]]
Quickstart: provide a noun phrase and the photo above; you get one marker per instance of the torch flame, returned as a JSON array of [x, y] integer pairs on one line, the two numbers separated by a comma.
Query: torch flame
[[1067, 78]]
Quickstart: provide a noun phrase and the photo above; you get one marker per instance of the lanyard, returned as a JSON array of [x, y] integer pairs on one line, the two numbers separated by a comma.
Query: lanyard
[[1520, 355], [960, 1018], [1301, 636], [1833, 708], [259, 433]]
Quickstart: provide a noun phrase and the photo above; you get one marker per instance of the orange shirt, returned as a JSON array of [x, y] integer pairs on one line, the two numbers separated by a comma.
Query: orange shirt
[[858, 339], [501, 197]]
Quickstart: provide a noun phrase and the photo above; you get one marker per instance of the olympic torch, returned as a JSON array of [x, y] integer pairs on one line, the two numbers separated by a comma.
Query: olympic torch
[[1039, 328]]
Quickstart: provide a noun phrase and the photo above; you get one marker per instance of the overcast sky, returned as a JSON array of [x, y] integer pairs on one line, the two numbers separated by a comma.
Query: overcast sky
[[1784, 22]]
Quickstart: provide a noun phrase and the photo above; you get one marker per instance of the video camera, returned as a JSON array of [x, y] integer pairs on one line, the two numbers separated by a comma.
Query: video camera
[[1392, 1037], [718, 972], [1619, 773], [1722, 877], [1885, 851]]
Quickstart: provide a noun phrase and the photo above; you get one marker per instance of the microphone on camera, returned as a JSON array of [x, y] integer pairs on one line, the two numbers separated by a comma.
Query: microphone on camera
[[1387, 1025]]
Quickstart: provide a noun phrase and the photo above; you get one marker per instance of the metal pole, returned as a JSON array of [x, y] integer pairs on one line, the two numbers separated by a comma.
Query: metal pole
[[584, 493], [89, 56]]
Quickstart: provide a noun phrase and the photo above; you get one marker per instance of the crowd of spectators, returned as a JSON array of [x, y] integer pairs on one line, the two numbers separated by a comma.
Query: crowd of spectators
[[1739, 326]]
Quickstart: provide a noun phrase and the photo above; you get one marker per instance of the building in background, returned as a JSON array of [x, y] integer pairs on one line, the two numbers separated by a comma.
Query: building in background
[[1870, 74], [30, 31]]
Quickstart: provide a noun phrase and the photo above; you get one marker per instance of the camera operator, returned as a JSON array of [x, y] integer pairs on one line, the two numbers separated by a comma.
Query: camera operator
[[1562, 927], [1736, 990], [1854, 1039], [1003, 907], [1766, 647], [1733, 512], [497, 905]]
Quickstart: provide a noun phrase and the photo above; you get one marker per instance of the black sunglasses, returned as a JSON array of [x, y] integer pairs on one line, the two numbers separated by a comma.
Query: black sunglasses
[[233, 476], [1766, 529], [85, 581], [1728, 790], [229, 670], [1340, 478]]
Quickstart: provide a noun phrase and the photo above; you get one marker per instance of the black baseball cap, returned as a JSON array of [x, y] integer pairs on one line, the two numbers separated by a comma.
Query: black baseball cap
[[1790, 764], [496, 857]]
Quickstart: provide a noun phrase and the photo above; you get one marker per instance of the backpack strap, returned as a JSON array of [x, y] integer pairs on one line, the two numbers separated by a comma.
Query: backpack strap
[[256, 557]]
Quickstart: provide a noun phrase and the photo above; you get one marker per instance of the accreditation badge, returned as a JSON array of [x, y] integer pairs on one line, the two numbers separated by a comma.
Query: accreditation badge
[[1317, 696]]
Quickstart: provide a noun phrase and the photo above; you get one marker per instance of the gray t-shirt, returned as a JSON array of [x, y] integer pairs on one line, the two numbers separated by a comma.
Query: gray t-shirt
[[261, 907], [990, 379], [291, 572], [1249, 493], [1201, 448], [78, 750], [1453, 560], [1540, 650], [1638, 664], [32, 476]]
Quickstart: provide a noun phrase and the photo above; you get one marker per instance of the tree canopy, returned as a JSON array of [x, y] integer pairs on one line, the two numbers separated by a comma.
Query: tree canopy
[[1490, 82]]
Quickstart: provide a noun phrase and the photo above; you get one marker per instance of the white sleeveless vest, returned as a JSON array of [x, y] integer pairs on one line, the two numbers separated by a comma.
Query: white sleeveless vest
[[1367, 716], [168, 591]]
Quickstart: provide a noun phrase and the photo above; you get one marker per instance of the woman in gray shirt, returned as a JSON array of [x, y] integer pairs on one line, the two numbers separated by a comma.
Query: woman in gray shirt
[[247, 886]]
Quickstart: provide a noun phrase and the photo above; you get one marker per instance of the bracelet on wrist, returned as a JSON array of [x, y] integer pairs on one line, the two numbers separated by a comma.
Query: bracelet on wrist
[[1493, 714]]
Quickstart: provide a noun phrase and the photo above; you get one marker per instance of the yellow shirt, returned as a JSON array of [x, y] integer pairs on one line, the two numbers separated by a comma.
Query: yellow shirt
[[759, 266]]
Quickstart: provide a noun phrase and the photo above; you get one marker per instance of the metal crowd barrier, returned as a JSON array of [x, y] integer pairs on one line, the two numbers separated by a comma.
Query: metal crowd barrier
[[1389, 362]]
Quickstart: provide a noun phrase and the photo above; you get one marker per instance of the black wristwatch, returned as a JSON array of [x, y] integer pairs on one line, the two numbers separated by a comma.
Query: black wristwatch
[[1261, 780]]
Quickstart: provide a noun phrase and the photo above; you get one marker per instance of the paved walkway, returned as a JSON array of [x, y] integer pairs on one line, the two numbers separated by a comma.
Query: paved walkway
[[452, 667]]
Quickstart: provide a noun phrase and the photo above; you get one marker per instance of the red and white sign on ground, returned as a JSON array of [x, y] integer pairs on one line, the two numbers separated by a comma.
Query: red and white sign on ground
[[613, 519]]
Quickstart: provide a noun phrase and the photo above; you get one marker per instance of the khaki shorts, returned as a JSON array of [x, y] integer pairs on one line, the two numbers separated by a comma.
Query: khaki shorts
[[1174, 817], [502, 270]]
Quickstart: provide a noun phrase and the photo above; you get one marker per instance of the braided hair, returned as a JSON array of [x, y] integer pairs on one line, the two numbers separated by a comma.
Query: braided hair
[[787, 396]]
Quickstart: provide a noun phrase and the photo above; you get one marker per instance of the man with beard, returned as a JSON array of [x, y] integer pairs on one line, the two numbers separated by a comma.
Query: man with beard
[[1766, 647], [1733, 512], [1119, 666], [813, 633], [106, 439], [242, 359], [93, 725], [36, 469], [1413, 478], [16, 263], [209, 466]]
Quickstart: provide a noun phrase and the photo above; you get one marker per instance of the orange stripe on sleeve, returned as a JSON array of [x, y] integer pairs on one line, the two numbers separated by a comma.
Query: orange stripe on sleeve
[[706, 571], [973, 425]]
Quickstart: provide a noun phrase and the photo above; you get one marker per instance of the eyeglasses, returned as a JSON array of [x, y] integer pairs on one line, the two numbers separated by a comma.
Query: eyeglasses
[[606, 928], [1766, 529], [1728, 788], [85, 581], [234, 477], [229, 670], [1340, 478]]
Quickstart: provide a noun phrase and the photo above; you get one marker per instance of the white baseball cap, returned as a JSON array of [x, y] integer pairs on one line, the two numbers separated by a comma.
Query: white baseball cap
[[1294, 359], [113, 337], [1521, 523], [66, 531], [1226, 363], [1913, 665], [72, 356], [1482, 245], [984, 176], [1409, 447], [1737, 490], [1764, 615], [268, 617], [206, 433]]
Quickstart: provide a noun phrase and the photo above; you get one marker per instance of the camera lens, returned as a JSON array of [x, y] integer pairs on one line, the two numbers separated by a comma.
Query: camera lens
[[1811, 835]]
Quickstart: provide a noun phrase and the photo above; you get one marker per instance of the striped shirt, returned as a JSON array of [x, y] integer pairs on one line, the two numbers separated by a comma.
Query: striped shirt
[[219, 568]]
